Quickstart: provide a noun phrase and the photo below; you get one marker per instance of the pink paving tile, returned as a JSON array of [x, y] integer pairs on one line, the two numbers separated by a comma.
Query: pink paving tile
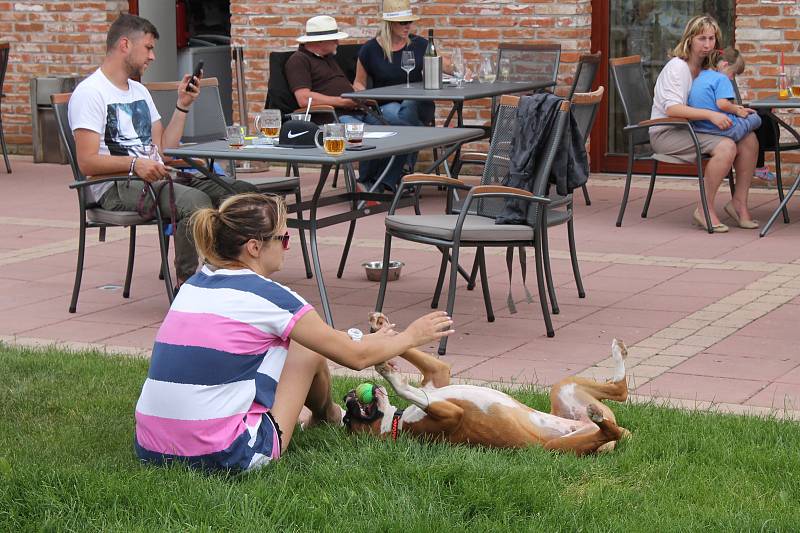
[[736, 367], [138, 338], [756, 347], [778, 396], [687, 288], [549, 349], [617, 284], [793, 376], [603, 334], [773, 326], [617, 315], [79, 330], [705, 275], [516, 371], [663, 302], [701, 388], [649, 272], [465, 343]]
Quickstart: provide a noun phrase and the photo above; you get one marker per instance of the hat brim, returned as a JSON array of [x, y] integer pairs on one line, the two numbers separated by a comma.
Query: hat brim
[[320, 38], [408, 18]]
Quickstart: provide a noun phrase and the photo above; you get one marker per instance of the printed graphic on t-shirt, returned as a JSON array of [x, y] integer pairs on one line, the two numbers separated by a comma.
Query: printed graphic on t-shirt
[[128, 127]]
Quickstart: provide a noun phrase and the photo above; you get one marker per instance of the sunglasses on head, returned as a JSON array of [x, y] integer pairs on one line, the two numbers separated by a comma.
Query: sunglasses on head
[[283, 238]]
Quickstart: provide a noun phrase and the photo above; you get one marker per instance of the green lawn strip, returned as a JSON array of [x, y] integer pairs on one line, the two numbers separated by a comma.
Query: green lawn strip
[[67, 463]]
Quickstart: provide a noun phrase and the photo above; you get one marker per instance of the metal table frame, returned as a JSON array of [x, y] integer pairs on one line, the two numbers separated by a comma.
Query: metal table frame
[[765, 106], [408, 139]]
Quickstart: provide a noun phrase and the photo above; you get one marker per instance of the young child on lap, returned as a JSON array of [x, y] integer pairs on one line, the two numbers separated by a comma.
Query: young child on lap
[[713, 90]]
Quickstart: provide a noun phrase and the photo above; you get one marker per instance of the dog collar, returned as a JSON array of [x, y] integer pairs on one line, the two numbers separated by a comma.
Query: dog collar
[[396, 423]]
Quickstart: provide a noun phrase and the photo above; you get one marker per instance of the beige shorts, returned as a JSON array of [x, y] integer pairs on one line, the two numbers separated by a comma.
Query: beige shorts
[[677, 142]]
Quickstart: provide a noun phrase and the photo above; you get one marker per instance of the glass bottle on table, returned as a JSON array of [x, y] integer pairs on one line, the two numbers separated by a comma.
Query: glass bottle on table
[[783, 85]]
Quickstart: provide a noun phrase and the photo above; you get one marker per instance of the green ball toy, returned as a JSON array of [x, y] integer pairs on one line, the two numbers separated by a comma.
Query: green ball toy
[[364, 392]]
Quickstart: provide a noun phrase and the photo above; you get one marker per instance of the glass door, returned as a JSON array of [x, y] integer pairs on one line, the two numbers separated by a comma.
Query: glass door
[[649, 28]]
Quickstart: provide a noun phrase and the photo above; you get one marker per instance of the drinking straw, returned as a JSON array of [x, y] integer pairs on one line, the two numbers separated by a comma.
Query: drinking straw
[[308, 107], [781, 60]]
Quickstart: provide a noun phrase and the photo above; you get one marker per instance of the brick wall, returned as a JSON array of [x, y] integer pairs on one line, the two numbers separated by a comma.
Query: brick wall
[[261, 26], [48, 38]]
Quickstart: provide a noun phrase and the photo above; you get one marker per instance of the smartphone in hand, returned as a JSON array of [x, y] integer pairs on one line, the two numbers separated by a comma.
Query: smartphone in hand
[[195, 80]]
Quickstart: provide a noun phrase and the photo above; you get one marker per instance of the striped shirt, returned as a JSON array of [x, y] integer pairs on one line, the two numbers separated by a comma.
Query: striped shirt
[[216, 363]]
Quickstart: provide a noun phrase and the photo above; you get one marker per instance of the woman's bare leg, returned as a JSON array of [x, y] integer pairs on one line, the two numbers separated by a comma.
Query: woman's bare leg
[[717, 168], [305, 380], [745, 165]]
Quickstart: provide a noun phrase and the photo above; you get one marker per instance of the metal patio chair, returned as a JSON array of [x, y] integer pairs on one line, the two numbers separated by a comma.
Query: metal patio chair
[[93, 216], [582, 82], [5, 49], [474, 226]]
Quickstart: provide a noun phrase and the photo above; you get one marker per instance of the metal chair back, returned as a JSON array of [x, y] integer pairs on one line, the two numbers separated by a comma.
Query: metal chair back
[[584, 110], [585, 73], [60, 106], [634, 93], [206, 119], [531, 62]]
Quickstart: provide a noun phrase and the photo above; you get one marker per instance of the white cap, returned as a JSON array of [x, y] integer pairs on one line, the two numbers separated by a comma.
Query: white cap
[[355, 334]]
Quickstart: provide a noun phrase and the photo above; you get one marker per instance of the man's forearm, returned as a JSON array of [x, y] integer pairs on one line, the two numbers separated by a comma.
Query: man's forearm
[[174, 130], [105, 164]]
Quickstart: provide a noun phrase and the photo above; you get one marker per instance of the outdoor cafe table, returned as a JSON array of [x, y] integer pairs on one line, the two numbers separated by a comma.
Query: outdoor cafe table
[[405, 139], [457, 95], [765, 107]]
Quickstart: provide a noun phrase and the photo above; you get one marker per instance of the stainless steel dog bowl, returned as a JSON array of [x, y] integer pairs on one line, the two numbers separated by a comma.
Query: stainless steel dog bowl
[[373, 270]]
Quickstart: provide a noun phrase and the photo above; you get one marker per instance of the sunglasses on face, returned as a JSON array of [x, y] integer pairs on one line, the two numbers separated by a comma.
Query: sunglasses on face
[[405, 23], [283, 238]]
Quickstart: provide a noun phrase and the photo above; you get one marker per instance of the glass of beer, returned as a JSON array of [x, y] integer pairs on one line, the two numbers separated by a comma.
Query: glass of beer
[[268, 123], [794, 81], [235, 136], [333, 139], [354, 132]]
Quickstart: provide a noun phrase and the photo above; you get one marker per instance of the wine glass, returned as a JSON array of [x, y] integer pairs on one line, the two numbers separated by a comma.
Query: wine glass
[[486, 73], [408, 62], [505, 69], [459, 66]]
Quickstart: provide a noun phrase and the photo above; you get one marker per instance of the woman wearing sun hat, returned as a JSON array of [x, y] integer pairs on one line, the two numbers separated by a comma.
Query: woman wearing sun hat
[[380, 59]]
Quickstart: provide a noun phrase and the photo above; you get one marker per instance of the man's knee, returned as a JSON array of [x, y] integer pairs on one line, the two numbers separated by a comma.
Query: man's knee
[[241, 186], [188, 200]]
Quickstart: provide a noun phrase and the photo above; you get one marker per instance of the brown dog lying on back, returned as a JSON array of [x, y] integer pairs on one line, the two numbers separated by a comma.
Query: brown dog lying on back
[[577, 421]]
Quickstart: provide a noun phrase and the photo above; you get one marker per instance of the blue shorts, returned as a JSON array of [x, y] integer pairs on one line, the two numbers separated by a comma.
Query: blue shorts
[[737, 132]]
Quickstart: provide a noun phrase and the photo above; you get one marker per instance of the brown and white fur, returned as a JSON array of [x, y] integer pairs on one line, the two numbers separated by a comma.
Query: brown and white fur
[[469, 414]]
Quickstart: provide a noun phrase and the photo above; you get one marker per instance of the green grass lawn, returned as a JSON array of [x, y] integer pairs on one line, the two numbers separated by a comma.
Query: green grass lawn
[[67, 463]]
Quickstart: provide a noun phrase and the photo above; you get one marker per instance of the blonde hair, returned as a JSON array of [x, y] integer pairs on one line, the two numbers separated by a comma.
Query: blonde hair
[[695, 27], [384, 38], [220, 234], [732, 57]]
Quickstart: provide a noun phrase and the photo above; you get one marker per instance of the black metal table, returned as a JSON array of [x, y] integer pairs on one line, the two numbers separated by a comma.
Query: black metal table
[[407, 139], [457, 95], [765, 107]]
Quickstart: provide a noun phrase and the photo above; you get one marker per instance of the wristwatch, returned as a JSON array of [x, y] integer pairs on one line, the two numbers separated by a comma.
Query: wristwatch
[[355, 334]]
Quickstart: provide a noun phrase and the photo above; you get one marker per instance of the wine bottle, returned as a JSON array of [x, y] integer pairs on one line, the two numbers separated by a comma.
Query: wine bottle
[[430, 51]]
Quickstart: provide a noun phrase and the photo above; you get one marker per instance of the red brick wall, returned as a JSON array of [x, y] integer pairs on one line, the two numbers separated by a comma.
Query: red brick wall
[[48, 38], [261, 26]]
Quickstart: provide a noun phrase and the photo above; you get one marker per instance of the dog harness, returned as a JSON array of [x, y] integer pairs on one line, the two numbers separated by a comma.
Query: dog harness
[[396, 423]]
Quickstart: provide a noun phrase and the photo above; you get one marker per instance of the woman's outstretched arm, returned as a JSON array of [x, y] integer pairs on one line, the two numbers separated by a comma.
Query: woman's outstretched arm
[[313, 333]]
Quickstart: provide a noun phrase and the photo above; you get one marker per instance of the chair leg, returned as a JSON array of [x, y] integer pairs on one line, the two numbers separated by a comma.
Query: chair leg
[[161, 271], [76, 288], [779, 183], [303, 248], [731, 183], [586, 195], [437, 292], [451, 294], [487, 298], [163, 245], [650, 189], [126, 290], [350, 230], [703, 200], [548, 324], [548, 273], [473, 275], [335, 178], [387, 251], [5, 149], [627, 190], [573, 255]]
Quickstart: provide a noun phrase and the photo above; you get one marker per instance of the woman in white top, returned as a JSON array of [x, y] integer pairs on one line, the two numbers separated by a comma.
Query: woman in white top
[[700, 37]]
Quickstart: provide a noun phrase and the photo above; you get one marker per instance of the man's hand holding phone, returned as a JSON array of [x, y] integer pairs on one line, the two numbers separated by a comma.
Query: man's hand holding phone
[[189, 88]]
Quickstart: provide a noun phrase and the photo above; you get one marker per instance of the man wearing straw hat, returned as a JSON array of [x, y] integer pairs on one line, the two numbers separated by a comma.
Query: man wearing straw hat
[[313, 73]]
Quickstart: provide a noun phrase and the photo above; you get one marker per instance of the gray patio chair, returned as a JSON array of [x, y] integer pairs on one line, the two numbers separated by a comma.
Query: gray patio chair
[[208, 120], [634, 93], [4, 51], [91, 215], [534, 61], [582, 82], [475, 225]]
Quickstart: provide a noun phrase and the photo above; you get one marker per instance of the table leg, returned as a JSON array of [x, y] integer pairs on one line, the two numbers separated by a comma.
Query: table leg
[[781, 207], [312, 231]]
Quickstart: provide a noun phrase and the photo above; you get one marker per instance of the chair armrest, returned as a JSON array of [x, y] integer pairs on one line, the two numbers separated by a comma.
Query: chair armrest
[[474, 157], [788, 128], [102, 178], [433, 179], [483, 191], [669, 121], [316, 109]]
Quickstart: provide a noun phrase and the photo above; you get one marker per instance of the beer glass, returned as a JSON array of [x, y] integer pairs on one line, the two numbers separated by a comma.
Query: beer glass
[[268, 123], [794, 81], [235, 136], [332, 139], [354, 132]]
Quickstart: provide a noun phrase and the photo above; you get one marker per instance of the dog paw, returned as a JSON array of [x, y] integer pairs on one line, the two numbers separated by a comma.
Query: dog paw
[[377, 321], [384, 369], [594, 414], [618, 349]]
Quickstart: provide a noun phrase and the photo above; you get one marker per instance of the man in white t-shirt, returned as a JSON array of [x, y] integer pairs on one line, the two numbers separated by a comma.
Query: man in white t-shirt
[[118, 130]]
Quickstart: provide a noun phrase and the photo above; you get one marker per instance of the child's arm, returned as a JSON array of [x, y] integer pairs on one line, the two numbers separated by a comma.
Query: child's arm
[[726, 106]]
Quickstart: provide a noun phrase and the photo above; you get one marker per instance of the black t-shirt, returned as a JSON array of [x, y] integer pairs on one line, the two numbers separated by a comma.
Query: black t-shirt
[[383, 72]]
